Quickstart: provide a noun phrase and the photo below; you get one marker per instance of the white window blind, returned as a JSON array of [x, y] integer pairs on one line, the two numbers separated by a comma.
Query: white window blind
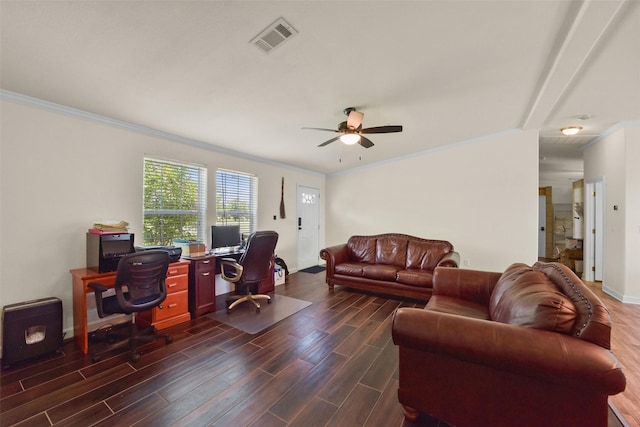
[[237, 200], [175, 202]]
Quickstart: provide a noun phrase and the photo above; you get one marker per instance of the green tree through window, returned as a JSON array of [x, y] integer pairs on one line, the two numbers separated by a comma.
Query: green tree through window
[[174, 202], [237, 200]]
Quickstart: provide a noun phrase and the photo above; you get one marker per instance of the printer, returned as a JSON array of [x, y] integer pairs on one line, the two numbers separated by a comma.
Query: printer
[[175, 252]]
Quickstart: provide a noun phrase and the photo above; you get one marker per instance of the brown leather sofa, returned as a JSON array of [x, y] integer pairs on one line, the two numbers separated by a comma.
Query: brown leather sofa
[[528, 347], [395, 264]]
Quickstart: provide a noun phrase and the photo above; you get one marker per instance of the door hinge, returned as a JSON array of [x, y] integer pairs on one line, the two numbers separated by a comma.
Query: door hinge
[[593, 269], [593, 231]]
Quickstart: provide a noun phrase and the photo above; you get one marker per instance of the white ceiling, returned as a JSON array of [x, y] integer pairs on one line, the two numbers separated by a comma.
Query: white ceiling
[[448, 71]]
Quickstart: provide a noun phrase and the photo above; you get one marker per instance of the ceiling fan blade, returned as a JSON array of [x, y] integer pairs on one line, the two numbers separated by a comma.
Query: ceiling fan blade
[[328, 130], [354, 121], [329, 141], [382, 129], [365, 142]]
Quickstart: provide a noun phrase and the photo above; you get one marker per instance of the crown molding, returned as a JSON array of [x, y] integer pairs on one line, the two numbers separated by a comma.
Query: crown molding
[[121, 124]]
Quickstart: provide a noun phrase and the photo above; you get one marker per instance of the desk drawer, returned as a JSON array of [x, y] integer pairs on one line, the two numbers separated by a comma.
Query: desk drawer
[[205, 266], [177, 283], [178, 269], [176, 303]]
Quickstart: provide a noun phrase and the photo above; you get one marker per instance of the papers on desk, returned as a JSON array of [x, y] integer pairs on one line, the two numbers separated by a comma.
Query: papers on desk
[[110, 226], [226, 250]]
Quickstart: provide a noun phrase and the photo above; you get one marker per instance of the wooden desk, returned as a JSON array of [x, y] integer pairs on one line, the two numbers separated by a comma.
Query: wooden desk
[[202, 282], [174, 311]]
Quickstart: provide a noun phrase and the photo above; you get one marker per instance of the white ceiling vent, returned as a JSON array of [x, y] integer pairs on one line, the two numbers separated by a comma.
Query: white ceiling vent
[[274, 35]]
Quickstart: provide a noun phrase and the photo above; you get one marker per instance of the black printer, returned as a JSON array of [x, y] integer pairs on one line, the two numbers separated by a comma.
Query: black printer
[[175, 252]]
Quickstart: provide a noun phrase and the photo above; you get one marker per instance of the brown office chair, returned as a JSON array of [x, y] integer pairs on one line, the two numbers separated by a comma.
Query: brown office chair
[[253, 267], [140, 286]]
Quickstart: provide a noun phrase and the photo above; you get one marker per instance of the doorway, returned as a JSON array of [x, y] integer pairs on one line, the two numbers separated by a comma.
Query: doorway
[[546, 244], [308, 226], [594, 230]]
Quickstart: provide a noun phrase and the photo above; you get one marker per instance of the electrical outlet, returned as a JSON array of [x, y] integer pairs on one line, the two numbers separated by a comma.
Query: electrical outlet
[[466, 262]]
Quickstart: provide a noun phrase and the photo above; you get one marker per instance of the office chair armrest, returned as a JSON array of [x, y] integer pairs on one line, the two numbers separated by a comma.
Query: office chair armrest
[[98, 287], [98, 290], [230, 269]]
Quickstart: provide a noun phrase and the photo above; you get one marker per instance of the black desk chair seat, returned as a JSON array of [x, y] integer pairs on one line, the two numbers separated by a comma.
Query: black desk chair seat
[[254, 266], [140, 286]]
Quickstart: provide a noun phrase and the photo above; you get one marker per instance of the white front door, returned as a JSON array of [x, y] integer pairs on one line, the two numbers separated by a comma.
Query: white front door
[[308, 224]]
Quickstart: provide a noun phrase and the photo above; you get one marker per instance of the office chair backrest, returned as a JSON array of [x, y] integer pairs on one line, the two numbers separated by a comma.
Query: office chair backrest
[[259, 252], [143, 274]]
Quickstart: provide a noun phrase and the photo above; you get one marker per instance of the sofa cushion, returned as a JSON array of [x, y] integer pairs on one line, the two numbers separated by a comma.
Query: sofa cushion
[[380, 272], [362, 249], [350, 268], [425, 255], [415, 277], [391, 250], [525, 296]]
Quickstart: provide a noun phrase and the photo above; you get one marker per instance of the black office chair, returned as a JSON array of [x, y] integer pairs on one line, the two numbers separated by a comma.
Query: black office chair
[[253, 267], [140, 286]]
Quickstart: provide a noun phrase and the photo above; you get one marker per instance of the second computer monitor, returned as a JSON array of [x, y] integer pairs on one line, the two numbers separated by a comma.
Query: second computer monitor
[[224, 236]]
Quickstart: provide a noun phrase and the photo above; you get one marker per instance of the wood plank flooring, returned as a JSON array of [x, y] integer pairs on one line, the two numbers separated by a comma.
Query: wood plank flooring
[[625, 344], [331, 364]]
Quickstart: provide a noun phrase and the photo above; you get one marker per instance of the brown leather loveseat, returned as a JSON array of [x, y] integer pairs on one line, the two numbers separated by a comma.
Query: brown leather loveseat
[[528, 347], [396, 264]]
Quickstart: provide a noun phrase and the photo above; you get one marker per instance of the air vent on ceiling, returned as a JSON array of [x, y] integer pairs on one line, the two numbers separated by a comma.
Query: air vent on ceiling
[[274, 35]]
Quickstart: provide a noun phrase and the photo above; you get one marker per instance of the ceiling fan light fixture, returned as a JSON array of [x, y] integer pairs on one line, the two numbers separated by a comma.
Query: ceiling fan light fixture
[[571, 130], [350, 138]]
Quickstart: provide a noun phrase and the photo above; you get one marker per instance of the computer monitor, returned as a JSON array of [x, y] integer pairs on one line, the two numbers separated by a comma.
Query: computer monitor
[[224, 236]]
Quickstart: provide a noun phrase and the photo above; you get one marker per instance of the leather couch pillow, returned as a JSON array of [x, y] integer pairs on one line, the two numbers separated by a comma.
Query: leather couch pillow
[[362, 250], [526, 297]]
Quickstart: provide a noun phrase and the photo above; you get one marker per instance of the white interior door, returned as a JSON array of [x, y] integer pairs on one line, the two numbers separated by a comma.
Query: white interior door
[[308, 226], [542, 220], [599, 230], [594, 230]]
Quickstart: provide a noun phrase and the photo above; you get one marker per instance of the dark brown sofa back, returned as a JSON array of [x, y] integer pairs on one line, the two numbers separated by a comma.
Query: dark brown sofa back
[[397, 249]]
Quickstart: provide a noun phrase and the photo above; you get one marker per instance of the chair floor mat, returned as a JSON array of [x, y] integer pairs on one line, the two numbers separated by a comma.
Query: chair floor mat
[[246, 318]]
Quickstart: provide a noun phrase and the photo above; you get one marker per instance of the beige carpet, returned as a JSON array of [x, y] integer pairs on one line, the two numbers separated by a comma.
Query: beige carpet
[[246, 318]]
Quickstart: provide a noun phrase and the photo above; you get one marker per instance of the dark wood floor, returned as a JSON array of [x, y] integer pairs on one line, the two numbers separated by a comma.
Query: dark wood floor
[[625, 344], [332, 364]]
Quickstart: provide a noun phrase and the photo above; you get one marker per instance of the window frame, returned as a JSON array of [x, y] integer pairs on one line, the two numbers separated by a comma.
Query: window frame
[[228, 187], [187, 173]]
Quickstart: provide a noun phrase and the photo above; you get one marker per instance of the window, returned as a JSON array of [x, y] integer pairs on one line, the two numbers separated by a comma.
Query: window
[[237, 200], [175, 202]]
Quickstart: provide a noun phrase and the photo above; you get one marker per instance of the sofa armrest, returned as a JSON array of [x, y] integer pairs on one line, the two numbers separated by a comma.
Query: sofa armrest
[[334, 255], [470, 285], [546, 356], [452, 259]]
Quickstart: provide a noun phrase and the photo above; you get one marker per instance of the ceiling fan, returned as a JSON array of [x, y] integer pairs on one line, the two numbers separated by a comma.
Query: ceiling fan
[[352, 132]]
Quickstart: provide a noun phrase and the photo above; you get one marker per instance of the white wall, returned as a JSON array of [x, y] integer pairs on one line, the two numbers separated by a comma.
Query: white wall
[[60, 173], [614, 159], [481, 195]]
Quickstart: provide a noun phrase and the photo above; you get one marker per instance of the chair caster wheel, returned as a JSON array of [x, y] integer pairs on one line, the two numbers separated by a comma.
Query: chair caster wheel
[[135, 357], [168, 340], [268, 301]]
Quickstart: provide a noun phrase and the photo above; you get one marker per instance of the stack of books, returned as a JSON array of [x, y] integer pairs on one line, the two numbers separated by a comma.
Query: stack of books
[[110, 227]]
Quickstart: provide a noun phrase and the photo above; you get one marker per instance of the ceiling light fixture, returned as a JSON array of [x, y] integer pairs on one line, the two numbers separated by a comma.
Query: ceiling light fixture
[[350, 138], [571, 130]]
